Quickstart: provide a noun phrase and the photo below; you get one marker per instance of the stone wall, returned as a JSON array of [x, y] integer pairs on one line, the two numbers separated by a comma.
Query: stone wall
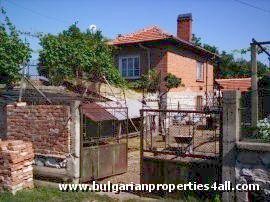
[[242, 162], [16, 172], [253, 167], [46, 126]]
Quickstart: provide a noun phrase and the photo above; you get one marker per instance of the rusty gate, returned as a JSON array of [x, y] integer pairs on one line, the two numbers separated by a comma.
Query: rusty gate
[[103, 141], [103, 161]]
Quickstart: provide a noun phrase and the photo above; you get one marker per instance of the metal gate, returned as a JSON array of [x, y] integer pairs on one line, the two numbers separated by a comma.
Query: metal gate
[[102, 161], [103, 141]]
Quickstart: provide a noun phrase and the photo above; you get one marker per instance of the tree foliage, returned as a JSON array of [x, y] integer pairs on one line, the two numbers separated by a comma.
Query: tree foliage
[[151, 82], [172, 81], [14, 52], [230, 67], [76, 54]]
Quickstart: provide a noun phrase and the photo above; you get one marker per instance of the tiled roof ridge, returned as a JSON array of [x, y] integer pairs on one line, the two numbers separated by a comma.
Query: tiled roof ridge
[[145, 29], [152, 33]]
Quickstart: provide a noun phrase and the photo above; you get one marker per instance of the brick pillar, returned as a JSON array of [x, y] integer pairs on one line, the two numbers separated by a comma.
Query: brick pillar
[[231, 126]]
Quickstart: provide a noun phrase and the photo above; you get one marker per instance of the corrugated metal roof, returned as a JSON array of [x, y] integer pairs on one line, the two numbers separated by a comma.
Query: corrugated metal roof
[[111, 110], [96, 112]]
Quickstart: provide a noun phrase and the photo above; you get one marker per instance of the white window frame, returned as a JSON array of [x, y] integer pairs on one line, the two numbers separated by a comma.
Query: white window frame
[[199, 75], [126, 57]]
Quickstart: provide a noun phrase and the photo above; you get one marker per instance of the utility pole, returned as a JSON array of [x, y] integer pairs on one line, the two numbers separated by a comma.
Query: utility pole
[[254, 85], [254, 78]]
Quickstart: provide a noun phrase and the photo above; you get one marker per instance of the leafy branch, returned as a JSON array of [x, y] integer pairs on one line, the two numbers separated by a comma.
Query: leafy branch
[[13, 51]]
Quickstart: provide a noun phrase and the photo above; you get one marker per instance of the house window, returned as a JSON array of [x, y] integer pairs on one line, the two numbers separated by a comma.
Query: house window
[[199, 102], [199, 71], [130, 66]]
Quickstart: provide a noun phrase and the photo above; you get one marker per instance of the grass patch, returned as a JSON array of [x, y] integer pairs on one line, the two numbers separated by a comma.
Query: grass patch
[[52, 195]]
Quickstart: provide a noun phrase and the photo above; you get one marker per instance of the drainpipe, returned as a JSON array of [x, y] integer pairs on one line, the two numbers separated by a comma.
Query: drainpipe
[[206, 85], [206, 78]]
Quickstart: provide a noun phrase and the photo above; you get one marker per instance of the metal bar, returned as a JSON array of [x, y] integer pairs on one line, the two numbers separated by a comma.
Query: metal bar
[[200, 156], [181, 111], [141, 147], [220, 145], [259, 44], [39, 91], [193, 134], [81, 143]]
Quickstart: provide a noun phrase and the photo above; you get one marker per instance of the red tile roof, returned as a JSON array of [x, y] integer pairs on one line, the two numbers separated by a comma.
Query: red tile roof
[[242, 84], [153, 33], [147, 34]]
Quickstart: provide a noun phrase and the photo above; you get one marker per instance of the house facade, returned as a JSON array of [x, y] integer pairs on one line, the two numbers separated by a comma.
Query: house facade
[[153, 48]]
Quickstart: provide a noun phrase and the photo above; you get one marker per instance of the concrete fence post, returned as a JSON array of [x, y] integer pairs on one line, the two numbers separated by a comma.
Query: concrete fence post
[[231, 128], [73, 165]]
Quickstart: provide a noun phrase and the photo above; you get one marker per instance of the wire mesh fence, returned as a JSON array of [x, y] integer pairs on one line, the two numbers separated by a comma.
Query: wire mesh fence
[[247, 130], [181, 132]]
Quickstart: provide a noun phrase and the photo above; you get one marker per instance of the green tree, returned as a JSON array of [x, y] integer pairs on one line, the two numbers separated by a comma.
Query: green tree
[[14, 52], [231, 67], [151, 82], [76, 54]]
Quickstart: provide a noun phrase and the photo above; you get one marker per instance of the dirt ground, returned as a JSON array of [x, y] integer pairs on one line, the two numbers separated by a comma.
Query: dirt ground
[[133, 170]]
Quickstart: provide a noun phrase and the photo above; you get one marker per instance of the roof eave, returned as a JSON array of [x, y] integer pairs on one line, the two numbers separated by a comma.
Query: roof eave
[[213, 56]]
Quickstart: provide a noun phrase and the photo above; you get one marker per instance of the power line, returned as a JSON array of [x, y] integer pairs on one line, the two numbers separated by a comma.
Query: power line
[[37, 13], [252, 6]]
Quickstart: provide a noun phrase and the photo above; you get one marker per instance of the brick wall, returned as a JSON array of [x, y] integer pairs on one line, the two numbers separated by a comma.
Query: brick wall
[[186, 68], [167, 58], [16, 172], [46, 126], [170, 59], [183, 64], [2, 120]]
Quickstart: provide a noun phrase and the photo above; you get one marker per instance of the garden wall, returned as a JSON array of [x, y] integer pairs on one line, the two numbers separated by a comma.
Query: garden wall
[[46, 126], [54, 131], [178, 171]]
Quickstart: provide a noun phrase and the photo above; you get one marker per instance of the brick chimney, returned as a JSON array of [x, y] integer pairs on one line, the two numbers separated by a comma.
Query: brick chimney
[[184, 26]]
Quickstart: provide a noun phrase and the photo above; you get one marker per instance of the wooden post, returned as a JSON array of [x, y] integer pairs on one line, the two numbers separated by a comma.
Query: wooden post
[[254, 86], [231, 128]]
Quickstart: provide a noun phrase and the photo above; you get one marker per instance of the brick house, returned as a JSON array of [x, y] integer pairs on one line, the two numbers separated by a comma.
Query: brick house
[[154, 48]]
